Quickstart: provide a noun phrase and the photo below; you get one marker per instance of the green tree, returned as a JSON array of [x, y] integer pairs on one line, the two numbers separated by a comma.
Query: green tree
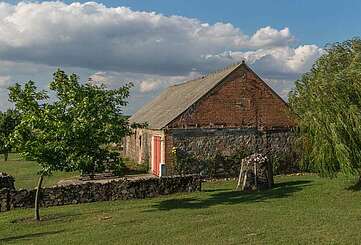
[[70, 132], [8, 121], [327, 101]]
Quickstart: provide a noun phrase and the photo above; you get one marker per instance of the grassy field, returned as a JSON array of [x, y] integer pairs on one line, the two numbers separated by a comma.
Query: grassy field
[[298, 210], [25, 172]]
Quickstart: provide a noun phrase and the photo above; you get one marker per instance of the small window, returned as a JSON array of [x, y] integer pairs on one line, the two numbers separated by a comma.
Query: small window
[[140, 141]]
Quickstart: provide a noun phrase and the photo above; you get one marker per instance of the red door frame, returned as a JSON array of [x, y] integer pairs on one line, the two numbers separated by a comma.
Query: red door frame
[[156, 155]]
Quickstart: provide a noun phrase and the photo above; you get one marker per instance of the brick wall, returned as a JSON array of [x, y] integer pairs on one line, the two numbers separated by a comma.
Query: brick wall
[[242, 100]]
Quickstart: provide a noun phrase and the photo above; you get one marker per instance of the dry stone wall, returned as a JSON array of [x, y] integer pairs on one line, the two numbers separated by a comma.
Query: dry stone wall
[[6, 181], [122, 189]]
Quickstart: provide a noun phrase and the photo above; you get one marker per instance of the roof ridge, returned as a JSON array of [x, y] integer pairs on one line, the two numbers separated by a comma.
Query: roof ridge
[[233, 65], [176, 99]]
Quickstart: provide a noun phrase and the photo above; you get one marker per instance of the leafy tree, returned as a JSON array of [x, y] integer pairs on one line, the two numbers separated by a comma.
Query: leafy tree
[[328, 103], [71, 132], [8, 122]]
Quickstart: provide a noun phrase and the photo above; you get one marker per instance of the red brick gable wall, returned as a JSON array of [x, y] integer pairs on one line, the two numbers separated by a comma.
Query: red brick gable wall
[[241, 100]]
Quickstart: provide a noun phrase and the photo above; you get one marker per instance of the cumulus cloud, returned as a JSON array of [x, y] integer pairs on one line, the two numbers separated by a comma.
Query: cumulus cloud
[[284, 62], [281, 87], [91, 35], [269, 37], [4, 81], [146, 86], [113, 46], [142, 82]]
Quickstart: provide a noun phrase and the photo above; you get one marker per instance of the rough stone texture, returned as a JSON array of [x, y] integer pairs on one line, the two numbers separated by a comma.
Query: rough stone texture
[[6, 181], [92, 192], [255, 174], [209, 143]]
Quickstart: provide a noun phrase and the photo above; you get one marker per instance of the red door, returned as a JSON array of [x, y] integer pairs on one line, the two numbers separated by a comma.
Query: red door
[[156, 155]]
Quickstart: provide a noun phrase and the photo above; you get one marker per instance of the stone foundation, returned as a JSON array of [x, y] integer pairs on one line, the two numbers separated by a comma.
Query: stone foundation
[[122, 189], [213, 147]]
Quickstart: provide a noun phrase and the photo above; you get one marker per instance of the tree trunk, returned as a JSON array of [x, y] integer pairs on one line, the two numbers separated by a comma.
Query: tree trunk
[[6, 155], [38, 189]]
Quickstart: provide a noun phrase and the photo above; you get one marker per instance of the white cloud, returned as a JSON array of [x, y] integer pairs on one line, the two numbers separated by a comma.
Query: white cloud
[[303, 57], [4, 81], [143, 83], [99, 78], [281, 87], [146, 86], [91, 35], [4, 84], [117, 45], [269, 37], [280, 62]]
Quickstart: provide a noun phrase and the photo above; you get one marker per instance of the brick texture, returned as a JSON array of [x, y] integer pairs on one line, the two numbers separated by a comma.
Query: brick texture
[[241, 100]]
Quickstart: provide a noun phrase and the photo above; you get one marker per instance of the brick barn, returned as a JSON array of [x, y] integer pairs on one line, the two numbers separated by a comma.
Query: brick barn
[[221, 113]]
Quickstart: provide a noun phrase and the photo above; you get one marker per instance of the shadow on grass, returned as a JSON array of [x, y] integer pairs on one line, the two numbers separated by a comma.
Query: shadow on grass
[[215, 190], [29, 236], [229, 197], [62, 217], [355, 187], [129, 171]]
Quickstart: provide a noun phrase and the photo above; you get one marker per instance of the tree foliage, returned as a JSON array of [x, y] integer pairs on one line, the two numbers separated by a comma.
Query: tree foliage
[[70, 132], [8, 121], [327, 101]]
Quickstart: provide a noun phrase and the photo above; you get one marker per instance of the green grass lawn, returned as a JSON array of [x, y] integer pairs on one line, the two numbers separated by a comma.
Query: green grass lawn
[[298, 210], [25, 172]]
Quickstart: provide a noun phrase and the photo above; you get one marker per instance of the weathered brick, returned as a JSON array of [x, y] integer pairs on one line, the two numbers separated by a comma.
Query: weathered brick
[[241, 100]]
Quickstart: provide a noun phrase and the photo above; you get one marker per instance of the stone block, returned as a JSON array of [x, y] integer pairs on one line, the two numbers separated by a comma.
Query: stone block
[[7, 181]]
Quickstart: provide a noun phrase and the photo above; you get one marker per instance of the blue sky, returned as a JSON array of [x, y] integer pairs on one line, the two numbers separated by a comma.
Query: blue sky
[[112, 44], [312, 21], [318, 22]]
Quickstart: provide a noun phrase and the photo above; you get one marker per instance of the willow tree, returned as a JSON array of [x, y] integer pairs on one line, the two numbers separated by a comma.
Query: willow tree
[[70, 131], [327, 101]]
